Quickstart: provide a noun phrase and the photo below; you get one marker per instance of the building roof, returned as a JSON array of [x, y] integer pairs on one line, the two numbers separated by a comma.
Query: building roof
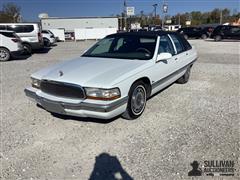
[[83, 17]]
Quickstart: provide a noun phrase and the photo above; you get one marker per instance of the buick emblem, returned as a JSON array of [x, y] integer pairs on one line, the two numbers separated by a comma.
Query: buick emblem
[[60, 73]]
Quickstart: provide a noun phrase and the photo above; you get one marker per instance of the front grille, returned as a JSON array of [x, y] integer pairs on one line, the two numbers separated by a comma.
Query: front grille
[[62, 89]]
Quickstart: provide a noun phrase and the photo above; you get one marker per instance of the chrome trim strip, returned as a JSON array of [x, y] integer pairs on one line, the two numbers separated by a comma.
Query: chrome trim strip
[[81, 106], [157, 83]]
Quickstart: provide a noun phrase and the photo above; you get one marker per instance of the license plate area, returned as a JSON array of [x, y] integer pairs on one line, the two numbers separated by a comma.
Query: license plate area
[[52, 107]]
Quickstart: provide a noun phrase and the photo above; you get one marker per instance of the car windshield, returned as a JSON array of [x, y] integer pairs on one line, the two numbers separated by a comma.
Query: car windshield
[[124, 47]]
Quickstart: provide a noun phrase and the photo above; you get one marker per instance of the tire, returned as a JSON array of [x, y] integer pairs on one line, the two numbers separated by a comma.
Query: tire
[[218, 38], [27, 49], [185, 36], [136, 101], [4, 54], [47, 43], [184, 79], [204, 36]]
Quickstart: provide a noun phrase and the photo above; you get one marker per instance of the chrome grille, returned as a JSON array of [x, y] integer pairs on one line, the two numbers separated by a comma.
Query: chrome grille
[[62, 89]]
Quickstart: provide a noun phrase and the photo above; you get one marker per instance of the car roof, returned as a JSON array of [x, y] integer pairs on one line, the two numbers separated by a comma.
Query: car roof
[[143, 33]]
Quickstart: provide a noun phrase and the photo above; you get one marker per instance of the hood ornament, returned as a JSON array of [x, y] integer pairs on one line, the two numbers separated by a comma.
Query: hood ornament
[[60, 73]]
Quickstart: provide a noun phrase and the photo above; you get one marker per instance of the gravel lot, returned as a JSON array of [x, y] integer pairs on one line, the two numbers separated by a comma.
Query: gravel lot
[[195, 121]]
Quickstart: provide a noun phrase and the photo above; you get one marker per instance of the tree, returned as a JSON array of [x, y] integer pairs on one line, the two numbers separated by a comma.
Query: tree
[[10, 13]]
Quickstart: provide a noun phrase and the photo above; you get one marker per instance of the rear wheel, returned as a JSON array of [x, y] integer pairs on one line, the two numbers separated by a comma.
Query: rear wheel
[[4, 54], [218, 38], [136, 101], [27, 48], [184, 79]]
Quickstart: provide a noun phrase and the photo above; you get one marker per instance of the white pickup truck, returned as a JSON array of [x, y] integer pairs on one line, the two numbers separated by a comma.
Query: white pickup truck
[[114, 77]]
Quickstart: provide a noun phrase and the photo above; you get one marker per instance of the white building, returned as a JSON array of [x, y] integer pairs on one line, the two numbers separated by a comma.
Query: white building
[[70, 24], [80, 28]]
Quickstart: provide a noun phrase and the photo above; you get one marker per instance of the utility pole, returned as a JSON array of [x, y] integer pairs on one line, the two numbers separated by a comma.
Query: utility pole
[[155, 12], [221, 16], [179, 19], [125, 14]]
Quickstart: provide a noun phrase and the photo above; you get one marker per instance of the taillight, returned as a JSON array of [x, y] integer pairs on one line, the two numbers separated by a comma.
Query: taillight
[[15, 40], [39, 36]]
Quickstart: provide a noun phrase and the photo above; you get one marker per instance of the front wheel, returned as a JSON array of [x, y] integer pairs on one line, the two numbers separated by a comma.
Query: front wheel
[[47, 43], [204, 36], [4, 54], [185, 36], [136, 101], [27, 48]]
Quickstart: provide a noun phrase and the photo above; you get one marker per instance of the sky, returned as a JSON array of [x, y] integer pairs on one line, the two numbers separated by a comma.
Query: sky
[[77, 8]]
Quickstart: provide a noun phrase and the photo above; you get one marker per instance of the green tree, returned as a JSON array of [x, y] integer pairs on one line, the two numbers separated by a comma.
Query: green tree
[[10, 13]]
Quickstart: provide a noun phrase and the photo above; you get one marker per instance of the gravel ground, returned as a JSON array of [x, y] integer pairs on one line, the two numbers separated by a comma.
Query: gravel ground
[[195, 121]]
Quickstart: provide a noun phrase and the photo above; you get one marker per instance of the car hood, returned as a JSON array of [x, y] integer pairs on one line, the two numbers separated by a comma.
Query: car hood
[[92, 72]]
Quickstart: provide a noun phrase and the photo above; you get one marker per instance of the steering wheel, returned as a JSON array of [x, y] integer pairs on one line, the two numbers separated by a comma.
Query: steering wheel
[[143, 49]]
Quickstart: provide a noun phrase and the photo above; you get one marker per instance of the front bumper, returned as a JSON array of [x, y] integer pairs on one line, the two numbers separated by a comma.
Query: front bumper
[[83, 109], [17, 53]]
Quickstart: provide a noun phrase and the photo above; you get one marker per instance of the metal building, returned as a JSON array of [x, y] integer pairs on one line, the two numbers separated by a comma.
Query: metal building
[[69, 24]]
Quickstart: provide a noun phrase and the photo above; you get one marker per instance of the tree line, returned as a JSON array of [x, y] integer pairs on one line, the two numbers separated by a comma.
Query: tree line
[[216, 16]]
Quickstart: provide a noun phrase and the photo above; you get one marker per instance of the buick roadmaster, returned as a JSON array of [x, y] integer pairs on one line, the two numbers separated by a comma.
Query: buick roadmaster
[[115, 76]]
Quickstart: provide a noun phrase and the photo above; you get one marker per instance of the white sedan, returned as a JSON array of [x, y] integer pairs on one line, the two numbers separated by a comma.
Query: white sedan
[[114, 77]]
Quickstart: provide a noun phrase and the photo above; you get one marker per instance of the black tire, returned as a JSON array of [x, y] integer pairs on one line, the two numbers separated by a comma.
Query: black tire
[[184, 79], [204, 36], [185, 36], [47, 43], [218, 38], [136, 101], [27, 48], [4, 54]]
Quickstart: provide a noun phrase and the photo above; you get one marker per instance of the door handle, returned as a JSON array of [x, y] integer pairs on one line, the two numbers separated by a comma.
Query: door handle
[[176, 59], [186, 53]]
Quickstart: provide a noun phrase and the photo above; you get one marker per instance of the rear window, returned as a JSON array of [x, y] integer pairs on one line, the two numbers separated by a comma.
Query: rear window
[[9, 34], [20, 28], [2, 27]]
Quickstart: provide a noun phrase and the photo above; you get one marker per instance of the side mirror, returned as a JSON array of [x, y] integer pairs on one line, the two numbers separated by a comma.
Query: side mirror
[[164, 57]]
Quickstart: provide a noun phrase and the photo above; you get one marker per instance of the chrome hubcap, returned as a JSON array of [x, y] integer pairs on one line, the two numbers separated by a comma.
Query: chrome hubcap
[[138, 100], [3, 54]]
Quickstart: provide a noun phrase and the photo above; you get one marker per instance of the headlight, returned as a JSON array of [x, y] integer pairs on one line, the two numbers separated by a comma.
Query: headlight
[[36, 83], [102, 94]]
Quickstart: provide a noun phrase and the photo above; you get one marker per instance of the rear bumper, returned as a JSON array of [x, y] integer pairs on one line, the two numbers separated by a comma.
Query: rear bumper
[[37, 45], [83, 109]]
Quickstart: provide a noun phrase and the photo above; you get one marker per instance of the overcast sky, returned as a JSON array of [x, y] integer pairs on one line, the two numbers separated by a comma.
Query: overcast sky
[[75, 8]]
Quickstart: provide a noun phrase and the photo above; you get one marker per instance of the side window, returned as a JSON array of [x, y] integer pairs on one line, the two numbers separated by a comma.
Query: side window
[[21, 28], [177, 43], [2, 27], [165, 45], [235, 30]]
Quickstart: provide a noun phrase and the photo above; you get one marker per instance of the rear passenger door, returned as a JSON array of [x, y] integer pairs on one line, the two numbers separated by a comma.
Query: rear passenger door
[[162, 70], [182, 57]]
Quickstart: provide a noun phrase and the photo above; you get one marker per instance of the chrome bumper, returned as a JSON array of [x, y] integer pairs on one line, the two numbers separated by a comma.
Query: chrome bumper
[[58, 107]]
